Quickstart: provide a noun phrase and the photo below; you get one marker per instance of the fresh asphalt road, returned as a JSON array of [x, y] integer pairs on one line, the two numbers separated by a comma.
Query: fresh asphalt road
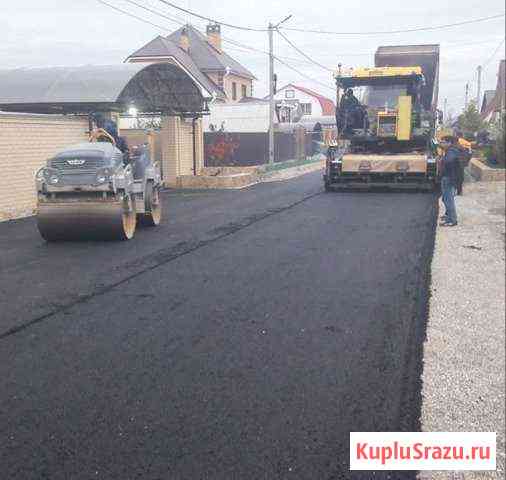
[[242, 339]]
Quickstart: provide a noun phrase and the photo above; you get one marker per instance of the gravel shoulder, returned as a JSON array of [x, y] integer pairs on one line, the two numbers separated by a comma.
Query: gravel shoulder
[[464, 356]]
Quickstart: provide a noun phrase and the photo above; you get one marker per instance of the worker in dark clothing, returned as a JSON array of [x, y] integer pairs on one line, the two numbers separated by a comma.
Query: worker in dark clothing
[[111, 128], [349, 107], [451, 178], [105, 124], [352, 112], [349, 101]]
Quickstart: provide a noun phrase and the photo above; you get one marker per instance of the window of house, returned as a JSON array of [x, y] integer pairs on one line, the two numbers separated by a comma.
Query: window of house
[[244, 91], [234, 91], [306, 108], [220, 80], [289, 94]]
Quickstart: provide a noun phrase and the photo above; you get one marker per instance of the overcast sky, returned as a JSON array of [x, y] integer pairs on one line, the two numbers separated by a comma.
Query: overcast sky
[[74, 32]]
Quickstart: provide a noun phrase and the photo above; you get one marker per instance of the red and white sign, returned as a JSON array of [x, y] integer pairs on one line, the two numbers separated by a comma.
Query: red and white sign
[[423, 451]]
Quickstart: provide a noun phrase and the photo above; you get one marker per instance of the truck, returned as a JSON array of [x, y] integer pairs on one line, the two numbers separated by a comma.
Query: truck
[[387, 118]]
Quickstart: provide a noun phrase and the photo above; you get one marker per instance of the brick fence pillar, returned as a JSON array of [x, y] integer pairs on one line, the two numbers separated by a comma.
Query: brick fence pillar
[[169, 139]]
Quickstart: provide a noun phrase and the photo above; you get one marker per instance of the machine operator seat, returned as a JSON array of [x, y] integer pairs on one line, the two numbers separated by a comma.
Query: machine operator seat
[[140, 161]]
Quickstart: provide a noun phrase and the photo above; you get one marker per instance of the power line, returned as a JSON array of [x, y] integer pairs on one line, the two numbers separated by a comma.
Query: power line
[[172, 20], [297, 49], [212, 20], [494, 54], [156, 12], [465, 44], [307, 77], [132, 15], [241, 47], [182, 23], [228, 40], [408, 30], [234, 42]]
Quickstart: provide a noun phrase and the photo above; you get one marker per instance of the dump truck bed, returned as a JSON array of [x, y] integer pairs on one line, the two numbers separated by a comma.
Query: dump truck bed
[[425, 56]]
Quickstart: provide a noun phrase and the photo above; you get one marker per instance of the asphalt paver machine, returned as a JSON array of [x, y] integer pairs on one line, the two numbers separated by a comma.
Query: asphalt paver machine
[[387, 117]]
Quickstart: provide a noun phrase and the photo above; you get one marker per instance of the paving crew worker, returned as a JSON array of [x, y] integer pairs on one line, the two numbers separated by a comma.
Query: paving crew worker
[[111, 128], [348, 107], [349, 99], [451, 178]]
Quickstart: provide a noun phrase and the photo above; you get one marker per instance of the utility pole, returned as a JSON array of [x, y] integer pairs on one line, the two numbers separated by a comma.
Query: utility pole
[[272, 107], [271, 93], [467, 96], [445, 109], [478, 92]]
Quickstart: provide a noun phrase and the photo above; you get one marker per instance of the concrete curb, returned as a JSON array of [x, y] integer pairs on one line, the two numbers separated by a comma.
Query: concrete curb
[[287, 173], [236, 179], [481, 171]]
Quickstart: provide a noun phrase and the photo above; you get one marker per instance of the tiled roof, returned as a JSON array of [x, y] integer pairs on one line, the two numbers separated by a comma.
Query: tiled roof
[[161, 47], [201, 58], [207, 58]]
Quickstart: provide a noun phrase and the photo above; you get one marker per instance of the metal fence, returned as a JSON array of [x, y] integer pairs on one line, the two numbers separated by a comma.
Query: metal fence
[[252, 148]]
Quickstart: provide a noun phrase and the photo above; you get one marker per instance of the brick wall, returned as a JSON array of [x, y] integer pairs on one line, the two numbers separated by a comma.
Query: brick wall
[[186, 151], [177, 148], [26, 142]]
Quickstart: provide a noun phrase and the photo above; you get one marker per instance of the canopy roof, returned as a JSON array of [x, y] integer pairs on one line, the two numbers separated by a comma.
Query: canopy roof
[[154, 88]]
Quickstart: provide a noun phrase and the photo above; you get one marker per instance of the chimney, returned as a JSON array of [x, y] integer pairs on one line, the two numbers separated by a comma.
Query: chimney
[[213, 31], [184, 40]]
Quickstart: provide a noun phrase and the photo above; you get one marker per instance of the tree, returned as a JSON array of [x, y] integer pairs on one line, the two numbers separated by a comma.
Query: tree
[[498, 129], [470, 121]]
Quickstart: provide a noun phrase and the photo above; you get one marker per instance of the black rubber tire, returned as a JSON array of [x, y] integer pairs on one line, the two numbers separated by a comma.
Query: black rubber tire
[[152, 205]]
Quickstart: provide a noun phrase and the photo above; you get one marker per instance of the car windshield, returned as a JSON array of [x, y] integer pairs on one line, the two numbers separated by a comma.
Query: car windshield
[[381, 96]]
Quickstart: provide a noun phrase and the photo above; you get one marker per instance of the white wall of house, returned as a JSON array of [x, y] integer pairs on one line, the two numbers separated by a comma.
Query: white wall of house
[[310, 105], [239, 117]]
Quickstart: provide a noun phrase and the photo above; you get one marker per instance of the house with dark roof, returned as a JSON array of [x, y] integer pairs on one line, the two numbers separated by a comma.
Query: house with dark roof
[[497, 103], [294, 101], [488, 95], [203, 57]]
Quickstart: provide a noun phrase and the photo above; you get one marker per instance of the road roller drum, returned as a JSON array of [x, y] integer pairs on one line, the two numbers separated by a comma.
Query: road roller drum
[[59, 221]]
